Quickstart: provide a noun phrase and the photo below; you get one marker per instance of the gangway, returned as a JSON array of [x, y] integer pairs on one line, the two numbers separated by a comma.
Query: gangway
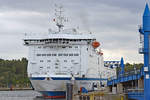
[[127, 76]]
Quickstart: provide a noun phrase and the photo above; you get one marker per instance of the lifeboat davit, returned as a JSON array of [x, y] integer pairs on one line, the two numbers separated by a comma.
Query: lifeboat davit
[[95, 44]]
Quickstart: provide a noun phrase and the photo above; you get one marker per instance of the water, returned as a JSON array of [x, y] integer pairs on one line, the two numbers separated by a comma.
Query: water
[[21, 95]]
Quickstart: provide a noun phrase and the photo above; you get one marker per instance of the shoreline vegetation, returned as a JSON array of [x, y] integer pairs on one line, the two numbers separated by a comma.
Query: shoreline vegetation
[[13, 74], [15, 89]]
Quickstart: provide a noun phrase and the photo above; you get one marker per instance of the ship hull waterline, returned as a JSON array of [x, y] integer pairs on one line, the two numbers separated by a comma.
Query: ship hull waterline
[[56, 87]]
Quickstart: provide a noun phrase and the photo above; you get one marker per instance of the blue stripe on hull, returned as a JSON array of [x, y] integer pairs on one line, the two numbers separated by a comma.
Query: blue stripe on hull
[[37, 78], [66, 78], [77, 78], [53, 93], [61, 78]]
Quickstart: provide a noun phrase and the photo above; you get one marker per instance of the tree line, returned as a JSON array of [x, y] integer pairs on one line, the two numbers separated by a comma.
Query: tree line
[[14, 73], [131, 68]]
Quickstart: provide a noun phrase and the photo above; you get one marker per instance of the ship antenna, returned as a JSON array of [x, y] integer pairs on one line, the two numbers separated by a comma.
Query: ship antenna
[[60, 19]]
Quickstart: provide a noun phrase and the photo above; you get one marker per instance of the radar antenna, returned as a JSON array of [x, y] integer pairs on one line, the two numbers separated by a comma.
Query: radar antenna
[[60, 19]]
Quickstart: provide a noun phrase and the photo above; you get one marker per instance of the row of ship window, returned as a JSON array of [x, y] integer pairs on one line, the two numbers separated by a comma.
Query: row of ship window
[[59, 46], [61, 54], [55, 67], [56, 61], [60, 40]]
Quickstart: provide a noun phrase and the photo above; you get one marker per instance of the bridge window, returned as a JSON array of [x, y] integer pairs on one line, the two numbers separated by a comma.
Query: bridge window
[[76, 46], [48, 54], [43, 54], [60, 54], [63, 47], [71, 54], [76, 54], [38, 54], [65, 54], [54, 54]]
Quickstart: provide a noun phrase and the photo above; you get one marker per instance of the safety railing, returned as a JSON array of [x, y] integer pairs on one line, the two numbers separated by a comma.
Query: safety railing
[[134, 90], [137, 73], [98, 95]]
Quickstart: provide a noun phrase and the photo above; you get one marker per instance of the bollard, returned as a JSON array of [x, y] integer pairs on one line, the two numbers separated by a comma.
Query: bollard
[[122, 97], [84, 98], [88, 98], [80, 97], [92, 97], [69, 91], [11, 88]]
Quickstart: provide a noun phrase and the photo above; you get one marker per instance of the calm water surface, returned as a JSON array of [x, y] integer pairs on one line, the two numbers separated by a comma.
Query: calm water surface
[[21, 95]]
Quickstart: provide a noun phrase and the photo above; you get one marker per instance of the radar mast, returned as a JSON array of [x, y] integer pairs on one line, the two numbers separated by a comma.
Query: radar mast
[[59, 18]]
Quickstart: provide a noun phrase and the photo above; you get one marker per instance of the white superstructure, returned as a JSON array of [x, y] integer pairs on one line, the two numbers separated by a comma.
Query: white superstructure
[[58, 57]]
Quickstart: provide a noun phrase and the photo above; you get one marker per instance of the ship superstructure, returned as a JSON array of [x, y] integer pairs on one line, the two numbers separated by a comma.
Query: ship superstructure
[[58, 57]]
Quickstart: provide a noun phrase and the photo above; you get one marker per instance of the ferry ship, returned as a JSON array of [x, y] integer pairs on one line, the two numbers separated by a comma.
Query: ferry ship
[[59, 57]]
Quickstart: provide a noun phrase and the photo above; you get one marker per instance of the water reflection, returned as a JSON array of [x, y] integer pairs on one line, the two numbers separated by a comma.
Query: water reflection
[[37, 98], [22, 95]]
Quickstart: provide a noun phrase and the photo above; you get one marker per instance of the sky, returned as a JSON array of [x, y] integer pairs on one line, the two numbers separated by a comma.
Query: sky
[[113, 22]]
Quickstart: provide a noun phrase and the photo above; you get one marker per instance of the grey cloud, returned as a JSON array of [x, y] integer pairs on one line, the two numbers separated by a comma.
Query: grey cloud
[[42, 5], [114, 22]]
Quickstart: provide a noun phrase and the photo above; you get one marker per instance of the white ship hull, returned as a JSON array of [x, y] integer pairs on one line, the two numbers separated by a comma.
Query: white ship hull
[[50, 87]]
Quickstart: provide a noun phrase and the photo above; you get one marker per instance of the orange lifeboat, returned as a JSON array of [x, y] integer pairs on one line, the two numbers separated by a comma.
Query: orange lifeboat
[[95, 44]]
